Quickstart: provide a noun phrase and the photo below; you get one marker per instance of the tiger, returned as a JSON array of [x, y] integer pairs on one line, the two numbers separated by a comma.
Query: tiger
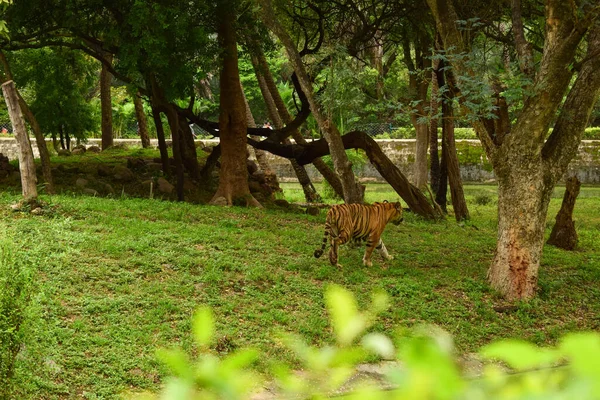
[[359, 222]]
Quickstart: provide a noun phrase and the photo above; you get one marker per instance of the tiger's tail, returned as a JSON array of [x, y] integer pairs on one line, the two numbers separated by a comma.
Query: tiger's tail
[[319, 252]]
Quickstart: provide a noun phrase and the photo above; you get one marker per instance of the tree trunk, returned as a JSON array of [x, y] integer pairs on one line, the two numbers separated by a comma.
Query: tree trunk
[[434, 158], [457, 194], [173, 119], [233, 178], [106, 105], [26, 164], [261, 156], [563, 233], [162, 144], [421, 147], [142, 120], [343, 166], [522, 208], [188, 148]]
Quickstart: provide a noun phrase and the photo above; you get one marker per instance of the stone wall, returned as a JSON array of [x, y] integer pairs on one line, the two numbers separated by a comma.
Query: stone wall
[[474, 165]]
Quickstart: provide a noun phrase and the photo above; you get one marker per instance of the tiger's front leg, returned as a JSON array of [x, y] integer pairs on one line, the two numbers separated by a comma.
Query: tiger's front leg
[[383, 251]]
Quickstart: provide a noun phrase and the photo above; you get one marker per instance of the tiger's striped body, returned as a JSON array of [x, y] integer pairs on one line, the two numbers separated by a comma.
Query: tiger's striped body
[[359, 222]]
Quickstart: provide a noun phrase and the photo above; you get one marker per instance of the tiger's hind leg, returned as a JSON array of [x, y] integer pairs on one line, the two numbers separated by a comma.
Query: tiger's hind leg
[[335, 245]]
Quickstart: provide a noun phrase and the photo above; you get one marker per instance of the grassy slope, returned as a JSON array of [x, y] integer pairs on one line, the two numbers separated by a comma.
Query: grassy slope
[[119, 278]]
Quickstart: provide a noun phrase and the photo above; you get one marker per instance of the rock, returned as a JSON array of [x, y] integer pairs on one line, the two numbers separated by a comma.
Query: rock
[[188, 185], [282, 203], [259, 176], [73, 170], [310, 210], [254, 186], [136, 163], [154, 167], [109, 188], [104, 170], [252, 167], [90, 192], [94, 149], [81, 183], [164, 186], [64, 153], [37, 211], [78, 152], [123, 174], [219, 201]]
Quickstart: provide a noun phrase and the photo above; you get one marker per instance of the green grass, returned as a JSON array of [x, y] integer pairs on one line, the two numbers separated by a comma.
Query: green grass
[[117, 279]]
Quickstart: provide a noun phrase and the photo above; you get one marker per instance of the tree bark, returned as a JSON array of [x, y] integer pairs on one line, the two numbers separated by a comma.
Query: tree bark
[[343, 166], [142, 120], [459, 204], [233, 178], [434, 158], [37, 131], [162, 144], [188, 148], [106, 105], [26, 164], [563, 233], [173, 119]]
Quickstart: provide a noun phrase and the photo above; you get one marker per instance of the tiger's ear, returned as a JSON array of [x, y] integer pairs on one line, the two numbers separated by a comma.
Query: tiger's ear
[[385, 201]]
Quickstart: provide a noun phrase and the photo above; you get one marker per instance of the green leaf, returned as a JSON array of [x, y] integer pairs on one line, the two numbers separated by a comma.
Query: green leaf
[[347, 322], [379, 344], [203, 326], [583, 352], [518, 354], [177, 361]]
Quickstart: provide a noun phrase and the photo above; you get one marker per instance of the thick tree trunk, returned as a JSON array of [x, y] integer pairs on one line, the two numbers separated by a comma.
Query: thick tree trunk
[[280, 114], [162, 144], [421, 147], [343, 166], [522, 208], [26, 164], [142, 120], [233, 178], [441, 195], [563, 233], [106, 105]]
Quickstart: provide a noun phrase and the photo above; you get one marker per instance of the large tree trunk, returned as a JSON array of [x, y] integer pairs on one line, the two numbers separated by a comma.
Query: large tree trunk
[[563, 233], [188, 148], [106, 105], [142, 120], [522, 208], [173, 119], [26, 164], [233, 178], [526, 166], [343, 167], [35, 127]]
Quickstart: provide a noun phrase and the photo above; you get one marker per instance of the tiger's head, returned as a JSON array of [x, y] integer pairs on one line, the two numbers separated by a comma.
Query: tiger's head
[[395, 212]]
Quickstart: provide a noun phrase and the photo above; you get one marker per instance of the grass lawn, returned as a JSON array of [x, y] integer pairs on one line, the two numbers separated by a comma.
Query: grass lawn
[[118, 278]]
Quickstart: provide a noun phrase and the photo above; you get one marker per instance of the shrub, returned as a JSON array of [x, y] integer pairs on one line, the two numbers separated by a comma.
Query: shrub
[[428, 370], [15, 288]]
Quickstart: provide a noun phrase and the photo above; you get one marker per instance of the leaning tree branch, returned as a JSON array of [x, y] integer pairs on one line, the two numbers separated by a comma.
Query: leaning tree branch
[[306, 153]]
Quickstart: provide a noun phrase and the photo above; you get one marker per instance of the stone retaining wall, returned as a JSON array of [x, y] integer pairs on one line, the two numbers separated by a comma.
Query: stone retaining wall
[[474, 165]]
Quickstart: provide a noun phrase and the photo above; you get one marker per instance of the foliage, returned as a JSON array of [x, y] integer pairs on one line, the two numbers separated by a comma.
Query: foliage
[[592, 133], [58, 85], [15, 292], [427, 369]]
